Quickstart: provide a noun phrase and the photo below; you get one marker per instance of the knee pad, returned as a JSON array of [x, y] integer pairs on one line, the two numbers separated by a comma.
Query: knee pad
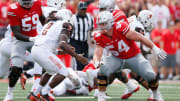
[[14, 75], [121, 76], [154, 84], [137, 77], [111, 78], [102, 81]]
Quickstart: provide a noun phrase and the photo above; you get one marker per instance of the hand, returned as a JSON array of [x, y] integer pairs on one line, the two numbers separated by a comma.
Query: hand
[[159, 53], [82, 59]]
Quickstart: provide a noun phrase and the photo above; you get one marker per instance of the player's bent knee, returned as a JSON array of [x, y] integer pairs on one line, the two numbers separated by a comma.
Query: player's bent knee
[[122, 76], [150, 76], [102, 82], [14, 75]]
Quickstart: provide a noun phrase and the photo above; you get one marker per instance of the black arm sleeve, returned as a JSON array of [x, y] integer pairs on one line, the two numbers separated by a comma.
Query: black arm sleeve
[[18, 35]]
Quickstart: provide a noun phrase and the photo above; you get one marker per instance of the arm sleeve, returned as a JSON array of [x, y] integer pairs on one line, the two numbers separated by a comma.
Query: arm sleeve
[[13, 17], [122, 27]]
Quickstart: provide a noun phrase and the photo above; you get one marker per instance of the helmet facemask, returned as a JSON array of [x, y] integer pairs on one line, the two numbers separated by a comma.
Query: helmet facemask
[[105, 21], [146, 18], [26, 3]]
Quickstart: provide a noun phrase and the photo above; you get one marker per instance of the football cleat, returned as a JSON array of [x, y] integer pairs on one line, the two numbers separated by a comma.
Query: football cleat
[[128, 92], [102, 96], [157, 96], [34, 98], [96, 93], [9, 97], [23, 80]]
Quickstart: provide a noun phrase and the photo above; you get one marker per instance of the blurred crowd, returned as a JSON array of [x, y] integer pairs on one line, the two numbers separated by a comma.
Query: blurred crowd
[[166, 32]]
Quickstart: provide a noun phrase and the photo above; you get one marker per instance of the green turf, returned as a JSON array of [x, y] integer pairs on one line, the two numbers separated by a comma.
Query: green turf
[[170, 92]]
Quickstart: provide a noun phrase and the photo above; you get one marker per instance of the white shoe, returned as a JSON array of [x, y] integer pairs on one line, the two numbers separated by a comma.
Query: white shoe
[[9, 97], [102, 96], [157, 96], [96, 93], [129, 91]]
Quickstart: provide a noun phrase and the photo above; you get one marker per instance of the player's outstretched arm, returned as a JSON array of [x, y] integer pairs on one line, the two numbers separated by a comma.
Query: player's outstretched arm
[[63, 44], [132, 35]]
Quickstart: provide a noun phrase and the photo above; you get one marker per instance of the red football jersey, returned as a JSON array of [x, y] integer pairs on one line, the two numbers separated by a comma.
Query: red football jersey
[[119, 15], [3, 14], [156, 33], [170, 41], [119, 45], [177, 32], [26, 19]]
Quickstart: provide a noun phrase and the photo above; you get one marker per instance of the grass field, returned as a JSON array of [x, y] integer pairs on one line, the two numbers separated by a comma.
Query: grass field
[[170, 92]]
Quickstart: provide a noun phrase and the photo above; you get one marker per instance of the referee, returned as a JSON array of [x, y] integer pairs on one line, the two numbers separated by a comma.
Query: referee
[[83, 25]]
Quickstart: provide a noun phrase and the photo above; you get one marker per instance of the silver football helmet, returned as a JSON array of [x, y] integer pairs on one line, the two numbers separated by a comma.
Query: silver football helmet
[[105, 20], [58, 4], [109, 5]]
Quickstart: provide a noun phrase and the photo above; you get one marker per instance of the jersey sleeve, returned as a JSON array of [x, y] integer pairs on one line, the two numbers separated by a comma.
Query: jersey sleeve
[[38, 2], [12, 15], [122, 27], [97, 37]]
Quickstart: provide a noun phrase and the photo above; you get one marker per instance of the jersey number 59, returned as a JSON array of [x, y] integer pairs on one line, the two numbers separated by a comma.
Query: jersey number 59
[[29, 26]]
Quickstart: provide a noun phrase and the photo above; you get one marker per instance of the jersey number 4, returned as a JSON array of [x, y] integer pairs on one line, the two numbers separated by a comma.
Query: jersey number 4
[[27, 26], [122, 46]]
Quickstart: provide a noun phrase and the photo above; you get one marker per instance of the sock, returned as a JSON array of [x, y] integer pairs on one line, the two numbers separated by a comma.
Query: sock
[[130, 84], [39, 88], [46, 90], [36, 82], [150, 93], [10, 90]]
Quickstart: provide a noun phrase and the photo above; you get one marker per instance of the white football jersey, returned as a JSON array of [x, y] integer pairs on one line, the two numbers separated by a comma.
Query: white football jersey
[[50, 34], [133, 22]]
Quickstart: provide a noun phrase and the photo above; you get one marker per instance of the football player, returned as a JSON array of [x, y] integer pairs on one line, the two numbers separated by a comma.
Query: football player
[[23, 17], [119, 39], [55, 34]]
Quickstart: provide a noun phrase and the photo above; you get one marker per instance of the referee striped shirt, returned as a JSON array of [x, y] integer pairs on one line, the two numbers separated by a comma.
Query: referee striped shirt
[[82, 26]]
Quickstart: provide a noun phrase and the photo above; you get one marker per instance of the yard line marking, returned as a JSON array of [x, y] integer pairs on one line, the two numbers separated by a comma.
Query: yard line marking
[[70, 97]]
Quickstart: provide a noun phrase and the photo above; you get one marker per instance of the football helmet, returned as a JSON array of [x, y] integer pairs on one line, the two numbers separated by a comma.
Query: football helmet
[[58, 4], [65, 15], [105, 20], [109, 5], [26, 3], [146, 18]]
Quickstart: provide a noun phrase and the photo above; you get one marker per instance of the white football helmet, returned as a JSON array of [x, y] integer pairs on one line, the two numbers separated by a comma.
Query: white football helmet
[[58, 4], [146, 18], [109, 5], [26, 3], [65, 15], [105, 17]]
